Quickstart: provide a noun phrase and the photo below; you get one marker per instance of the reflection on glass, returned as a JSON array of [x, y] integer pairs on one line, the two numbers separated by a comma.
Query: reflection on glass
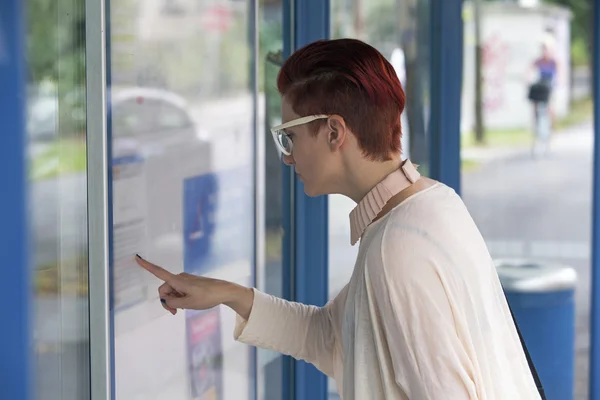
[[400, 31], [56, 129], [270, 367], [530, 206], [181, 120]]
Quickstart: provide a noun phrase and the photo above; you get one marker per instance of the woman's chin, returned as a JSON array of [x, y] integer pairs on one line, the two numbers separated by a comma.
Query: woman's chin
[[312, 191]]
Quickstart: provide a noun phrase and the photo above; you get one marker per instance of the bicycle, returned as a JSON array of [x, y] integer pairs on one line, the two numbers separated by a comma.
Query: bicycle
[[539, 95], [542, 129]]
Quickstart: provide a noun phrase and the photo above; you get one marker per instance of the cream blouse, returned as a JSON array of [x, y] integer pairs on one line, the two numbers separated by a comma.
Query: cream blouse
[[423, 317]]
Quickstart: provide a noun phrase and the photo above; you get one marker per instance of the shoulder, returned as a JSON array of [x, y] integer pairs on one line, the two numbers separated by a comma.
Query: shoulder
[[406, 263], [399, 246], [421, 231]]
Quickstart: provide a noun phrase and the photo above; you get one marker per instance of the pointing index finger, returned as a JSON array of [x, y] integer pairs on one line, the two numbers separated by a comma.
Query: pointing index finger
[[154, 269]]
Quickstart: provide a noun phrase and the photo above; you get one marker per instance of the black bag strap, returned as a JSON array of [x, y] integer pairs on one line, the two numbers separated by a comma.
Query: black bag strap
[[536, 378]]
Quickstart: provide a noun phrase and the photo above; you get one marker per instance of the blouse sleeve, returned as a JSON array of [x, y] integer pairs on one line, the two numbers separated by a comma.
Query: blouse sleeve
[[302, 331]]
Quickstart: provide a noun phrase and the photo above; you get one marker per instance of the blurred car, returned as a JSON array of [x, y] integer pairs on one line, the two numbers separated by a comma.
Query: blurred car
[[152, 124], [156, 126]]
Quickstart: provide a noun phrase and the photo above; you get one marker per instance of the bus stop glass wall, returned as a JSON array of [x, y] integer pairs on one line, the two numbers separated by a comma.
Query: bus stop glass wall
[[181, 123], [56, 151], [527, 180], [270, 189], [400, 31]]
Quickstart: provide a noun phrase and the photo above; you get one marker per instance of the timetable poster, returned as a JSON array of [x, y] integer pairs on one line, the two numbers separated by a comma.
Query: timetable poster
[[129, 229]]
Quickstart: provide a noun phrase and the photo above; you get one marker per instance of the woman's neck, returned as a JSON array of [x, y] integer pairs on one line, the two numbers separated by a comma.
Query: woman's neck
[[364, 175]]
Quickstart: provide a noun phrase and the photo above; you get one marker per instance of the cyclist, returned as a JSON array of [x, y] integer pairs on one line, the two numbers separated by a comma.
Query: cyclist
[[540, 93]]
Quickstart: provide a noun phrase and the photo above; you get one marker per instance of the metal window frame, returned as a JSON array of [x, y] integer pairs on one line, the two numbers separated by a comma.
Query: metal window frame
[[259, 182], [99, 203], [594, 370], [305, 250], [446, 90], [16, 358]]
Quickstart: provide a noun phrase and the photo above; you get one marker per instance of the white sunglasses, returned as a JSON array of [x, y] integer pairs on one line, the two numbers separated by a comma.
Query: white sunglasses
[[282, 139]]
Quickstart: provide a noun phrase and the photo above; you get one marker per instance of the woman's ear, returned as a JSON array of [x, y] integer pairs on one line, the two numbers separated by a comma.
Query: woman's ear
[[337, 131]]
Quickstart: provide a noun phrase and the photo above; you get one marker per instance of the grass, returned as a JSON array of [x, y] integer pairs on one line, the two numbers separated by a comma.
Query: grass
[[273, 243], [580, 111], [467, 165], [48, 280], [64, 156], [499, 138]]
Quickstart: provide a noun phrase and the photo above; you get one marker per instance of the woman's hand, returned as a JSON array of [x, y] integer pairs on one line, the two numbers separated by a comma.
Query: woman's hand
[[192, 292]]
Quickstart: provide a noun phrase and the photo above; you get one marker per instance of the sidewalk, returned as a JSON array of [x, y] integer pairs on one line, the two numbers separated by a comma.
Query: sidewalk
[[574, 137]]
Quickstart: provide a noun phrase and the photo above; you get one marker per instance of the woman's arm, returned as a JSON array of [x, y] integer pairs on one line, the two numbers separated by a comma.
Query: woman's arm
[[304, 332]]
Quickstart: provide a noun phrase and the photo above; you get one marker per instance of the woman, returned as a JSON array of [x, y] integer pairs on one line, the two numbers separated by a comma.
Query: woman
[[424, 315], [545, 69]]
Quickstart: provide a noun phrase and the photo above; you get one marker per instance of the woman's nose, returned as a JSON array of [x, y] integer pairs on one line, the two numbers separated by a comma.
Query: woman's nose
[[288, 160]]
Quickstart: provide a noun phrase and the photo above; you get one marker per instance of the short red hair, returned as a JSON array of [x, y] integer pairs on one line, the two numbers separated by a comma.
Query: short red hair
[[352, 79]]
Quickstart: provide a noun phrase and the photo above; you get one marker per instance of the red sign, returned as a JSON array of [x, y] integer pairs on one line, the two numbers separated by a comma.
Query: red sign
[[218, 18]]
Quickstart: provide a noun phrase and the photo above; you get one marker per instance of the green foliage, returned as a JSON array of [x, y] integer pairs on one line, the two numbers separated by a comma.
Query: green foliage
[[580, 55], [56, 56], [270, 40], [382, 23], [581, 27], [56, 42], [66, 156]]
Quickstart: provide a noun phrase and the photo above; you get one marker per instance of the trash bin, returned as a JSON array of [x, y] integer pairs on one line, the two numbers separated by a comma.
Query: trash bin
[[542, 300]]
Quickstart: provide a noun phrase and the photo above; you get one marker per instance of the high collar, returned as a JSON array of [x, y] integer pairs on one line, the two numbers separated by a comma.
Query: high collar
[[371, 205]]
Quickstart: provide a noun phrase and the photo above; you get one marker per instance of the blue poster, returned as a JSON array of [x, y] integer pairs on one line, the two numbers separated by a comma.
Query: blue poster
[[218, 220], [198, 220]]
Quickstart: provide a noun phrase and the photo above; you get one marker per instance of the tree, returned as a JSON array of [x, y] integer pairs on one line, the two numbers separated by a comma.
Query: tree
[[479, 124], [56, 54], [581, 27], [56, 41]]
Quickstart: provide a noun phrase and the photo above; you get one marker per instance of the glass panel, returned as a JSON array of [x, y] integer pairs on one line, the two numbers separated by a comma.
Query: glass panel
[[400, 31], [182, 124], [530, 204], [270, 58], [56, 128]]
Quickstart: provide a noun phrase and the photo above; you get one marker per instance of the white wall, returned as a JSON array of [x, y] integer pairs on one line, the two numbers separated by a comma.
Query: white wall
[[512, 37]]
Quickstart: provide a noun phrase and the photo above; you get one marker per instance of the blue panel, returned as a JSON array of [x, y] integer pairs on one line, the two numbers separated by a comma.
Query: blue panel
[[446, 82], [252, 28], [311, 21], [595, 311], [16, 380], [311, 279], [287, 283]]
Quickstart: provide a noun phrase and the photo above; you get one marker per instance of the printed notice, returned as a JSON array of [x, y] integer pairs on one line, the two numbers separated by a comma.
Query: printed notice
[[129, 228]]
